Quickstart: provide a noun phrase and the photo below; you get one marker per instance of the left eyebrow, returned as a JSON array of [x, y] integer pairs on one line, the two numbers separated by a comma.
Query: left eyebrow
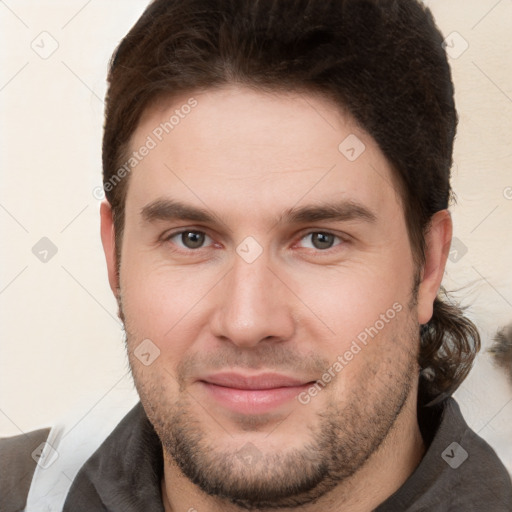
[[341, 211]]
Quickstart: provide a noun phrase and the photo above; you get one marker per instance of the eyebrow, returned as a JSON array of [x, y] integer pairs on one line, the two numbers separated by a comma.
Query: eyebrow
[[170, 209], [344, 210], [340, 211]]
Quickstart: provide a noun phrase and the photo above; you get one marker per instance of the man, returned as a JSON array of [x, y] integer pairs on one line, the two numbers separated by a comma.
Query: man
[[276, 231]]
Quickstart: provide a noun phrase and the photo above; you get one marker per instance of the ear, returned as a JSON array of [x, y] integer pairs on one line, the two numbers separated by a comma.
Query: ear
[[109, 244], [437, 248]]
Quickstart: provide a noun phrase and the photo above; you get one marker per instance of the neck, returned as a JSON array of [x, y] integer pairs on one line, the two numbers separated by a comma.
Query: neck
[[382, 475]]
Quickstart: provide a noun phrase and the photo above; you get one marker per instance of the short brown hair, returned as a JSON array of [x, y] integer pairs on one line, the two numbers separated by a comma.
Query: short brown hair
[[382, 60]]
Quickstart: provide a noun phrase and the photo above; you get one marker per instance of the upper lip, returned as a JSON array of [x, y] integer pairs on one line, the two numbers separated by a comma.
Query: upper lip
[[261, 381]]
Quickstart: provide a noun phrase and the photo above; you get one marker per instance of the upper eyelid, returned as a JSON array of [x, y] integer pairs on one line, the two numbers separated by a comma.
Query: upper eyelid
[[167, 236], [170, 234]]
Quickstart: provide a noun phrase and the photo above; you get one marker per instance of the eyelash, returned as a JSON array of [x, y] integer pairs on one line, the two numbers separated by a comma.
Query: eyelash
[[168, 237]]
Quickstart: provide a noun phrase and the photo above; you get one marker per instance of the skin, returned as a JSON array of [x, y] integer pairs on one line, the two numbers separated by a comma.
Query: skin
[[247, 158]]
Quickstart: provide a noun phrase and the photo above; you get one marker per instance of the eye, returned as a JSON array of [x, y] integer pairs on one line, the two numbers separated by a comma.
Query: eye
[[188, 239], [321, 240]]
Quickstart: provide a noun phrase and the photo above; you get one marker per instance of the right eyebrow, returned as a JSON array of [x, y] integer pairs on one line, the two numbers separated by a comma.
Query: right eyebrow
[[168, 209]]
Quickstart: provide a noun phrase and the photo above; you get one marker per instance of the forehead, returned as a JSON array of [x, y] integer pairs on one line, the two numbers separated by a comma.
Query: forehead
[[235, 148]]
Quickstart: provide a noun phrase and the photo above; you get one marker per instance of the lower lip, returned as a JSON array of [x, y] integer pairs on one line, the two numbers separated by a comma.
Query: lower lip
[[253, 401]]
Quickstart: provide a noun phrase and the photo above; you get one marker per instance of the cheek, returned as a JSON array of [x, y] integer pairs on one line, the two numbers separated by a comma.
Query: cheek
[[163, 303], [350, 299]]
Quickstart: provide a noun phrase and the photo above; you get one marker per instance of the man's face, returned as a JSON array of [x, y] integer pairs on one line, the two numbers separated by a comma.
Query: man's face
[[253, 301]]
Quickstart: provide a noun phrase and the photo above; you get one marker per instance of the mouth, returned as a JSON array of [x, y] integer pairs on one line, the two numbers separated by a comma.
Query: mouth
[[254, 394]]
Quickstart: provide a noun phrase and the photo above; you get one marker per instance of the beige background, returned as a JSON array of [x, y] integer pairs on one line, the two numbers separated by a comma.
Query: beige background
[[61, 342]]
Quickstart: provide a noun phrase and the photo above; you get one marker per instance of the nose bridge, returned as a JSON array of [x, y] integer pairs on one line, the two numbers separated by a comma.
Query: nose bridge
[[253, 304], [250, 283]]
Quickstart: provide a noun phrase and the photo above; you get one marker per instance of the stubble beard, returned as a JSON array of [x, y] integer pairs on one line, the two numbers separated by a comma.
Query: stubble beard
[[342, 437]]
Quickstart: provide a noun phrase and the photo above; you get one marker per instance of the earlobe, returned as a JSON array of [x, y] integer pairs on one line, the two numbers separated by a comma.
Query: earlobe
[[109, 244], [437, 248]]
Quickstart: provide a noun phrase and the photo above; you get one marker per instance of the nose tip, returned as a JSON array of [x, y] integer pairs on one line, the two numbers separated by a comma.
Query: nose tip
[[253, 305]]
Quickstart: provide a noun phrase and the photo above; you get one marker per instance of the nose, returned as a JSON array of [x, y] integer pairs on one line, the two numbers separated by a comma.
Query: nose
[[254, 305]]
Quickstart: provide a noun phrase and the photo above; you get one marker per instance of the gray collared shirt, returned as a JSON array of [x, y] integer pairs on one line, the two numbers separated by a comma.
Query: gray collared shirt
[[459, 471]]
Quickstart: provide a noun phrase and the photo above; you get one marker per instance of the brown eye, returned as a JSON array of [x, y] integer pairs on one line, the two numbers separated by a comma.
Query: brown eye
[[320, 240], [188, 239], [192, 239]]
